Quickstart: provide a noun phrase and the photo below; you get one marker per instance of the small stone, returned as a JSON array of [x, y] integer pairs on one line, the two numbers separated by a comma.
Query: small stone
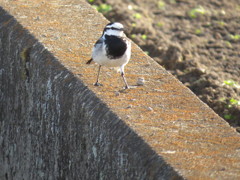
[[37, 18], [128, 117], [117, 93], [140, 81], [218, 35], [130, 106], [149, 108], [238, 129]]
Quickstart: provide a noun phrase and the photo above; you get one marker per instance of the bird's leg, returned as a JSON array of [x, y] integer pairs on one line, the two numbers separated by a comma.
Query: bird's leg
[[124, 79], [97, 83]]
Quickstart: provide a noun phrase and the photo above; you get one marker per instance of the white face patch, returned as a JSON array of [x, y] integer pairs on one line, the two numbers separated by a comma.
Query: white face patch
[[115, 25], [115, 29]]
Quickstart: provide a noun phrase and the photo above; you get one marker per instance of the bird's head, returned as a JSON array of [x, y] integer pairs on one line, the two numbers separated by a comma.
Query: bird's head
[[114, 29]]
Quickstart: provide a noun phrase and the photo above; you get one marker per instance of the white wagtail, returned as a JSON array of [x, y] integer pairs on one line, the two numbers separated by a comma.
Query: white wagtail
[[112, 49]]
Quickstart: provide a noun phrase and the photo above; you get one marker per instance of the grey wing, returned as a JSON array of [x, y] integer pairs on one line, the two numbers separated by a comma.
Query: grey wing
[[98, 46], [99, 41]]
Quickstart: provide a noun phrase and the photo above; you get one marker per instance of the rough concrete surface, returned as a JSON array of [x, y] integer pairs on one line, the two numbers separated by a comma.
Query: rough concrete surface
[[54, 124]]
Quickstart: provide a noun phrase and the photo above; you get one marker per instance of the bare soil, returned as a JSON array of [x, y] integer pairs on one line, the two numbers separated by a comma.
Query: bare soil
[[197, 41]]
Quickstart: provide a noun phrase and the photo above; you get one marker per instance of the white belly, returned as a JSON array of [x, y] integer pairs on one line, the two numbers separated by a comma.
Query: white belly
[[99, 56]]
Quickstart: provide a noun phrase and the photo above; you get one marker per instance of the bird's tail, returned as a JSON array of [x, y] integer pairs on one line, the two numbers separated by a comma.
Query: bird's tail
[[89, 61]]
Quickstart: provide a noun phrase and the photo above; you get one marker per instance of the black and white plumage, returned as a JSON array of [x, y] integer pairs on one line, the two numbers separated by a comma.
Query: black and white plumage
[[112, 49]]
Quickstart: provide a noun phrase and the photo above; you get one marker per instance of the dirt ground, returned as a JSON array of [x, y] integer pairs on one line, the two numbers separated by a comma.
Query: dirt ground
[[197, 41]]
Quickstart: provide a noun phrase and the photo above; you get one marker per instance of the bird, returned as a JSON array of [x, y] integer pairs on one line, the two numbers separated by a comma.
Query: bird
[[112, 49]]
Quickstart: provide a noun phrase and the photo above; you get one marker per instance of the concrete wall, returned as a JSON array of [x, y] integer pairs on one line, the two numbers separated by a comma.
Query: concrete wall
[[54, 127], [54, 124]]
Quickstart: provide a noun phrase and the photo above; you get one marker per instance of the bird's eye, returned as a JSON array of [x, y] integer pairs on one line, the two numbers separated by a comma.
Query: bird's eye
[[117, 29], [113, 28]]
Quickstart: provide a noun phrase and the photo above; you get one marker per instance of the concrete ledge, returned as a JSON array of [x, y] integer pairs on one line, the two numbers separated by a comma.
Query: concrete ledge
[[55, 124]]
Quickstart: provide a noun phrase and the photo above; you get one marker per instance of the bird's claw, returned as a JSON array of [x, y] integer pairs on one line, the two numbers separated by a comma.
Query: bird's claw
[[126, 87], [98, 84]]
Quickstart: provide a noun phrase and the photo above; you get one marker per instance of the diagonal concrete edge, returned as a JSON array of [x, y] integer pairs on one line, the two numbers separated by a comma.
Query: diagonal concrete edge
[[54, 123], [54, 127]]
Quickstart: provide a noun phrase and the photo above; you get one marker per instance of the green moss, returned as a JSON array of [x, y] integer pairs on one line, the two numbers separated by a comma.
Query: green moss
[[137, 15], [161, 4], [25, 57], [103, 8], [144, 36], [193, 13]]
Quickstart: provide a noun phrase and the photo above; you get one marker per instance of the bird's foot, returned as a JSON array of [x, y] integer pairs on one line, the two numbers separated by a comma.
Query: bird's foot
[[98, 84], [127, 87]]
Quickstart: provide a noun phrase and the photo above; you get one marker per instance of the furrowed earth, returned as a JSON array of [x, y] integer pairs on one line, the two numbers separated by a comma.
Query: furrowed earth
[[197, 41]]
